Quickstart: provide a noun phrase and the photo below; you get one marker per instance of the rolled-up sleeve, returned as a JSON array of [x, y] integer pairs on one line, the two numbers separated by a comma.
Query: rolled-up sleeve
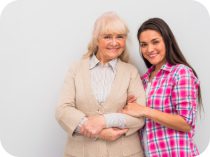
[[184, 94]]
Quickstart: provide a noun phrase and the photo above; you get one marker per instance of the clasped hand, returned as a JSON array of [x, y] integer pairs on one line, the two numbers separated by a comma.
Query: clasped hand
[[134, 109], [93, 126]]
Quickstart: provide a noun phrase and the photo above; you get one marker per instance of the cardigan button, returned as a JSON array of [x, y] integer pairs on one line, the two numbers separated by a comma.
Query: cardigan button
[[100, 111]]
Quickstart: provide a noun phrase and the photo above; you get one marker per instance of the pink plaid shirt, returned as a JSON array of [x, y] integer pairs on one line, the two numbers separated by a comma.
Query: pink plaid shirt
[[173, 90]]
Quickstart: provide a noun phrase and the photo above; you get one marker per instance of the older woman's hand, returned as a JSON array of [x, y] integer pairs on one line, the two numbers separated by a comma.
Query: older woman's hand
[[112, 134], [92, 126], [135, 110]]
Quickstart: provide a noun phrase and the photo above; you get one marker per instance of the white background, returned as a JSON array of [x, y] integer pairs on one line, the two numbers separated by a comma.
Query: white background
[[40, 38]]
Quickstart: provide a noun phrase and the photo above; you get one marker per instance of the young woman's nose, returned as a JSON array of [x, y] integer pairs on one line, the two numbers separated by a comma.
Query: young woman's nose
[[150, 48]]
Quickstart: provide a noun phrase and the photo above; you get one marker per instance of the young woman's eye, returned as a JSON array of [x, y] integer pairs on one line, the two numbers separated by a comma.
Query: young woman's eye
[[143, 44], [155, 42]]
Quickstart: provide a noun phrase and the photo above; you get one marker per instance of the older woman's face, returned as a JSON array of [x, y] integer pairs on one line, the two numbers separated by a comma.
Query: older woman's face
[[152, 47], [110, 46]]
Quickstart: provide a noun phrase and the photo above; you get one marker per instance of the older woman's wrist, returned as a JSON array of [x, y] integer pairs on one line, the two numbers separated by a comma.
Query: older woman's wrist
[[103, 121], [116, 120]]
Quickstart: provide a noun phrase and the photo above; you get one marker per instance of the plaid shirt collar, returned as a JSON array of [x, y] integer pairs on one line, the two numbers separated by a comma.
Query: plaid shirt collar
[[166, 67]]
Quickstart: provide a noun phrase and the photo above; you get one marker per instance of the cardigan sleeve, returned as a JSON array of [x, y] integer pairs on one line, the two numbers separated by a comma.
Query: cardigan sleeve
[[66, 114], [135, 88], [121, 120]]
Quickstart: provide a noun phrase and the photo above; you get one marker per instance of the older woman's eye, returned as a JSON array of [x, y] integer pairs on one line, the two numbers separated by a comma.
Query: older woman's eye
[[107, 36], [121, 36]]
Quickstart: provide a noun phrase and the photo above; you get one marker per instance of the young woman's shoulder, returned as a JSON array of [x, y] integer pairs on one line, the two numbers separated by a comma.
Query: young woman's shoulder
[[181, 70]]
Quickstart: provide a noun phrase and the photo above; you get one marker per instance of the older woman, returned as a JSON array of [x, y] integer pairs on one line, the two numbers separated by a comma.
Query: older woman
[[95, 89]]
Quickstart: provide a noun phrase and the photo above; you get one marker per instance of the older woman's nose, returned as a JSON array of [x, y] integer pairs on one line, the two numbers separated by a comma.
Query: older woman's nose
[[114, 41]]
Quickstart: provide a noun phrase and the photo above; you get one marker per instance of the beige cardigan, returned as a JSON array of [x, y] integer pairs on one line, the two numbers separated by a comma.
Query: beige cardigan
[[77, 100]]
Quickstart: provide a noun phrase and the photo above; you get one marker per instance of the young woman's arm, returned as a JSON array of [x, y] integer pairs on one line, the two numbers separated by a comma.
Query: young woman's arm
[[172, 121]]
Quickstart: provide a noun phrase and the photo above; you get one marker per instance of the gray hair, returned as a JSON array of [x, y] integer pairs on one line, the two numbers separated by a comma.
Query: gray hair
[[109, 22]]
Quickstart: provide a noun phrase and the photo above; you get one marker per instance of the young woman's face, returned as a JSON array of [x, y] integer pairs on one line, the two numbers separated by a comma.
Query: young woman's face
[[152, 47], [110, 46]]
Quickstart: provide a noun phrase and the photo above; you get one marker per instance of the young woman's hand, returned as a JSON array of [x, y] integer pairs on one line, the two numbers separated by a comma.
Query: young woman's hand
[[134, 109], [131, 99]]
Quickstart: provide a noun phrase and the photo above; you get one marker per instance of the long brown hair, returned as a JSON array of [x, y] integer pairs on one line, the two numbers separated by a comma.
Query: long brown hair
[[173, 52]]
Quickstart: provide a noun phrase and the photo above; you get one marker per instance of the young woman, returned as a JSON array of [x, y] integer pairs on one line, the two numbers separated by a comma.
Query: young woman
[[172, 94]]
